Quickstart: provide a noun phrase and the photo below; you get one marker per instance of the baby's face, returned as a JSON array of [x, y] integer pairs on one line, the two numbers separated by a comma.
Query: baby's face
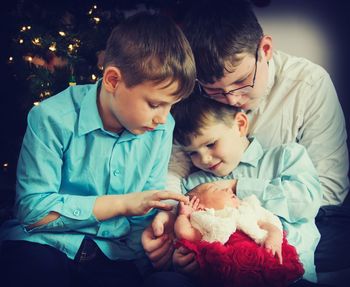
[[214, 195]]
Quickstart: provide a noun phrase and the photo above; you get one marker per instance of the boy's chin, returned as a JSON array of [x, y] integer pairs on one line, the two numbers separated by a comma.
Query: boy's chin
[[220, 173]]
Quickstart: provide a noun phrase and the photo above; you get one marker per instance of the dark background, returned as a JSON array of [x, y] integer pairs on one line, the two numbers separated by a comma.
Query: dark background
[[333, 15]]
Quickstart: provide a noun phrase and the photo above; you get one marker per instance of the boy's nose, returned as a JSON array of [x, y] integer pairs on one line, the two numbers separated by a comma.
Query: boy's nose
[[206, 158], [233, 99], [161, 117]]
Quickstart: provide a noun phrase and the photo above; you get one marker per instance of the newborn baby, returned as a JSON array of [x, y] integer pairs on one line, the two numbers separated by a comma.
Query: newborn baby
[[214, 213]]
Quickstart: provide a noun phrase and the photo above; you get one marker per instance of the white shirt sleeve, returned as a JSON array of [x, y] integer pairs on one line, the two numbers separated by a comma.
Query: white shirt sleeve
[[323, 134], [179, 167]]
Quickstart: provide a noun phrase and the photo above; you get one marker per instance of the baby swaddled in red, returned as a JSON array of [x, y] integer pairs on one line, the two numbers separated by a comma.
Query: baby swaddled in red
[[241, 262], [238, 243]]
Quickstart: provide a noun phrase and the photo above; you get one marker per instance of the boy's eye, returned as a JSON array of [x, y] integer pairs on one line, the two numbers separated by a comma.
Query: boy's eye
[[153, 106], [191, 153], [211, 145], [240, 81]]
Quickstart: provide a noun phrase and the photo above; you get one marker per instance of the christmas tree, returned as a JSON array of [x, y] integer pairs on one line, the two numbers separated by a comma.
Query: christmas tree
[[47, 46], [57, 44]]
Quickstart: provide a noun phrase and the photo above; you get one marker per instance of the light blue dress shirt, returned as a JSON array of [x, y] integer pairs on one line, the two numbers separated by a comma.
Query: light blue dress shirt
[[68, 159], [286, 183]]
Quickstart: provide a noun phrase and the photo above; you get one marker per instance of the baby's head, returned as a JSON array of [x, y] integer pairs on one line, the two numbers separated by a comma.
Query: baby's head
[[215, 195]]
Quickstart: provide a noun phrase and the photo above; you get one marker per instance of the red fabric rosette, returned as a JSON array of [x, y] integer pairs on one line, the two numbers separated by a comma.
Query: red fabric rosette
[[241, 262]]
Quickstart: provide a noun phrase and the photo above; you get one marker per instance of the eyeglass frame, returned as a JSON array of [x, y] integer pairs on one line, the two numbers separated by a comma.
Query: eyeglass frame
[[225, 94]]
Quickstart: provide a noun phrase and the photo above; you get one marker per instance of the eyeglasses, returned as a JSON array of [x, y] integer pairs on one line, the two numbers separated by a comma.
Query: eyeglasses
[[242, 90]]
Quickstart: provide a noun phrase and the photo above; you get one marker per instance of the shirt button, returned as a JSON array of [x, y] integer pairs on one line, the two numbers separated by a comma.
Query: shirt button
[[76, 212], [105, 233], [116, 172]]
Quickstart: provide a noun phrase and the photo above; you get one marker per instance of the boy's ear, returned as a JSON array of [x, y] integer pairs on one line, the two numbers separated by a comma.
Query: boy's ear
[[111, 78], [266, 46], [242, 122]]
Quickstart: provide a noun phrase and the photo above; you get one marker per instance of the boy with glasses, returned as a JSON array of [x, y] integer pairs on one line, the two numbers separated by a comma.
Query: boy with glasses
[[289, 99]]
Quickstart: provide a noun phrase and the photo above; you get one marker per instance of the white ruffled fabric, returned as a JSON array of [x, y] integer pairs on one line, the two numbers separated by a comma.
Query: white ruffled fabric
[[218, 225]]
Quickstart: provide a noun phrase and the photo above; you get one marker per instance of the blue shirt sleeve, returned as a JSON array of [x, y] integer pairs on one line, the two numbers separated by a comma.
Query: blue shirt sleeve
[[39, 178], [294, 193]]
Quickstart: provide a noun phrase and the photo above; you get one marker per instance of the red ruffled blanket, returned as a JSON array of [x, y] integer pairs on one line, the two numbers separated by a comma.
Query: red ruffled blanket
[[241, 262]]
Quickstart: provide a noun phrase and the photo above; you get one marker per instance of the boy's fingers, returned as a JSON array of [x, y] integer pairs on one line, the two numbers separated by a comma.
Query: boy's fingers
[[157, 254], [183, 250], [190, 268], [150, 243], [160, 205], [157, 226], [162, 259], [184, 260], [163, 195]]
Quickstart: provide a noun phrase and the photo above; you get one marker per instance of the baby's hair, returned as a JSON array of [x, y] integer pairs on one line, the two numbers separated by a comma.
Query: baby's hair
[[195, 113]]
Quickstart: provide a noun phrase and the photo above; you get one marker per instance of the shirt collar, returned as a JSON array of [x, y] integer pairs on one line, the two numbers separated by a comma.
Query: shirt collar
[[89, 117], [271, 77], [253, 153]]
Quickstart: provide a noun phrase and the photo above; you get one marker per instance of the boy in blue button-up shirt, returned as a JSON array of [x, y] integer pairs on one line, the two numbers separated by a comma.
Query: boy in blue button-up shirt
[[92, 167], [283, 178]]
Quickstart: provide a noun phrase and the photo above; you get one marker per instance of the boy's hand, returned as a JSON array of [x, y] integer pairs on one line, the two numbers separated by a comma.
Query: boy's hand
[[157, 240], [187, 209], [184, 261], [140, 203]]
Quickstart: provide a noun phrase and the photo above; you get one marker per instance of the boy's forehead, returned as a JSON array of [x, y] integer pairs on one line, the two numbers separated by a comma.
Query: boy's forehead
[[204, 136], [234, 71], [197, 141], [164, 92]]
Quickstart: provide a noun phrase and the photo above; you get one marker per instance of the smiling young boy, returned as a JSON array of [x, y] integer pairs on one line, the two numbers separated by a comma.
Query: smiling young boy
[[92, 167], [283, 178]]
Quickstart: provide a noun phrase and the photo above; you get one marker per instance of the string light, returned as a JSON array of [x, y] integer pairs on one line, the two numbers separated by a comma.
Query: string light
[[93, 77], [10, 59], [97, 20], [91, 10], [36, 103], [36, 41], [24, 28], [53, 47], [21, 41], [5, 164], [62, 33]]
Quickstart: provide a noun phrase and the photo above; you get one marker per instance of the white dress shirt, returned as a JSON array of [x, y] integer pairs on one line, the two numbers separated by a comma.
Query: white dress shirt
[[300, 105]]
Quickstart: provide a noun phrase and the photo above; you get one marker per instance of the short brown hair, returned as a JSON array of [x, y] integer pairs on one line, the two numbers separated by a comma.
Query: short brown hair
[[195, 112], [148, 47]]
